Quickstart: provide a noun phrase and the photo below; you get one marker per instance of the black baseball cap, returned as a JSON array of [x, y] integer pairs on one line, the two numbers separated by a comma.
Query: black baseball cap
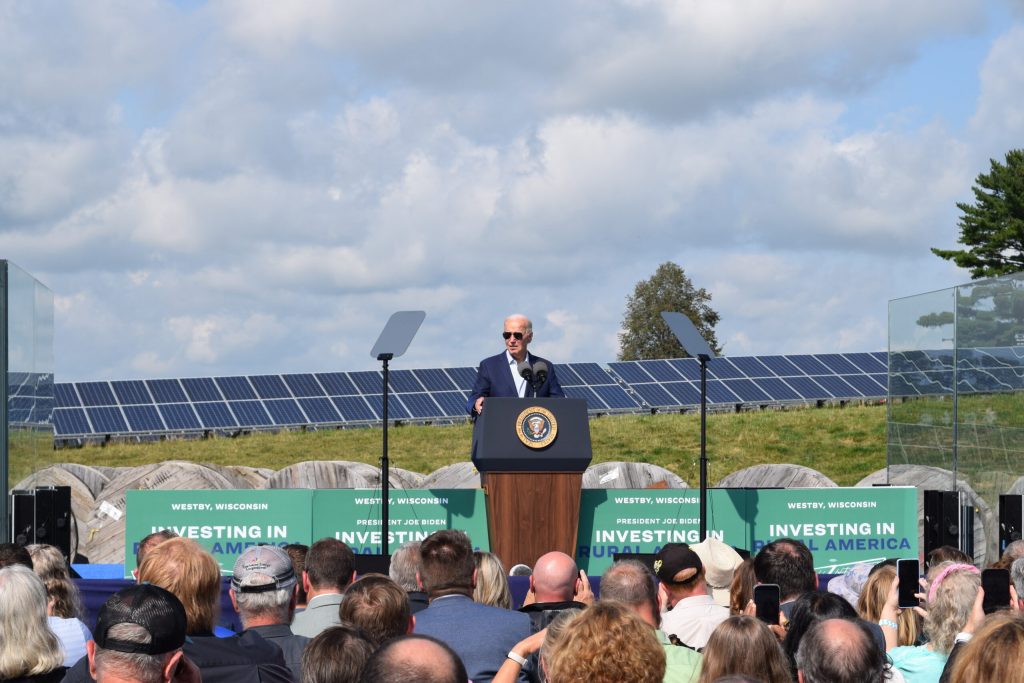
[[157, 610]]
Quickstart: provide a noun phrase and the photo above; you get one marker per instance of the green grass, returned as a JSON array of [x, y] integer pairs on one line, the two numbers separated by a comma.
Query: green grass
[[845, 444]]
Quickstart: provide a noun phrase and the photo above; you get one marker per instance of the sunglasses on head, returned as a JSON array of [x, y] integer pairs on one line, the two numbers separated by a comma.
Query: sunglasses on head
[[517, 335]]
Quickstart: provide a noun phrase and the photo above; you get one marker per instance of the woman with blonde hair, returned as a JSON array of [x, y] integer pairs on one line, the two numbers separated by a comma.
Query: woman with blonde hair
[[994, 653], [605, 643], [64, 603], [744, 645], [872, 600], [29, 650], [952, 589], [491, 581]]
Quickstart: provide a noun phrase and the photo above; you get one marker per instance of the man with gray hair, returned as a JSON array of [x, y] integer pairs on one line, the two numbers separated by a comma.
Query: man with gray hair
[[405, 564], [139, 637], [632, 583], [264, 591]]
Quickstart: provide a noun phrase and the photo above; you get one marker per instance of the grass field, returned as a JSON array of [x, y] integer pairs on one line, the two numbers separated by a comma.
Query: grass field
[[845, 444]]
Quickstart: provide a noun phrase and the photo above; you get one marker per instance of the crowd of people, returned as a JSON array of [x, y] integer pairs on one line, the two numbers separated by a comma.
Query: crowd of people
[[445, 613]]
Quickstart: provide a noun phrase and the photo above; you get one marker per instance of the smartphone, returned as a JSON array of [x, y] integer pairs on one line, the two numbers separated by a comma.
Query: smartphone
[[766, 600], [909, 574], [996, 583]]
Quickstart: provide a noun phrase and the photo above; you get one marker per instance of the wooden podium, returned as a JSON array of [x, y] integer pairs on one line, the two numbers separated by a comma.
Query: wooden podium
[[531, 454]]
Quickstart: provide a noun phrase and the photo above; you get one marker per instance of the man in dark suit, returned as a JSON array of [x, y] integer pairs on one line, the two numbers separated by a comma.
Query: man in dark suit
[[482, 636], [499, 375]]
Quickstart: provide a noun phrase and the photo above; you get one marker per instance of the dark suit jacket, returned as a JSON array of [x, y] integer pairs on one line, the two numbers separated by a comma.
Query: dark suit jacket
[[481, 635], [494, 379]]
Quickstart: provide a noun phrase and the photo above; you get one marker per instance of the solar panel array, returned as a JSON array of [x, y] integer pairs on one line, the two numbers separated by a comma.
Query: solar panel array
[[333, 399], [29, 397]]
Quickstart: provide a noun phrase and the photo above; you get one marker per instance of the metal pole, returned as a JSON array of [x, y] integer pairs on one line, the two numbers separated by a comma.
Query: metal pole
[[703, 449], [385, 357]]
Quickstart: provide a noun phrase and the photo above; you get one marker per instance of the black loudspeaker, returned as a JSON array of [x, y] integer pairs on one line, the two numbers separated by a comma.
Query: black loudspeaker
[[1011, 519], [941, 520], [53, 517], [23, 517]]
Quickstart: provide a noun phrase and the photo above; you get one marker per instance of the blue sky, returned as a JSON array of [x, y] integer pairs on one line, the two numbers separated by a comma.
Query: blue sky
[[253, 187]]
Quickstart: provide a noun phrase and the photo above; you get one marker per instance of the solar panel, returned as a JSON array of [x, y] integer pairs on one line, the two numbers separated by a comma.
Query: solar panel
[[107, 420], [752, 367], [685, 393], [722, 368], [403, 381], [320, 410], [66, 396], [370, 382], [781, 366], [464, 378], [337, 384], [631, 372], [864, 384], [866, 362], [354, 408], [689, 368], [270, 386], [808, 388], [453, 403], [96, 394], [591, 373], [810, 365], [143, 418], [566, 376], [615, 397], [837, 387], [719, 393], [166, 391], [837, 363], [660, 370], [435, 380], [655, 395], [235, 388], [778, 389], [746, 390], [421, 405], [396, 411], [285, 411], [179, 416], [250, 413], [303, 385], [594, 401], [201, 389], [68, 421], [215, 415], [131, 392]]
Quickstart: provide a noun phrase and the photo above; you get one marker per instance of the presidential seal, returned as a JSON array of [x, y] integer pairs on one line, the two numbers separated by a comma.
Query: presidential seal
[[536, 427]]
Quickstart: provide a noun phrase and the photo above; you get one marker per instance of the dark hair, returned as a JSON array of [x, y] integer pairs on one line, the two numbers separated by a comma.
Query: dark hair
[[843, 659], [788, 563], [330, 563], [12, 554], [946, 553], [378, 606], [394, 664], [446, 563], [297, 551], [337, 655], [808, 610], [151, 541]]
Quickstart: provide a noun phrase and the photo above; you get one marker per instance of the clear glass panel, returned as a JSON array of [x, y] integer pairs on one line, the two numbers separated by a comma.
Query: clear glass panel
[[29, 308]]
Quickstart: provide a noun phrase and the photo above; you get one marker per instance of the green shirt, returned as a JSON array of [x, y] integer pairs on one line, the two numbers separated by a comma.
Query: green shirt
[[682, 665]]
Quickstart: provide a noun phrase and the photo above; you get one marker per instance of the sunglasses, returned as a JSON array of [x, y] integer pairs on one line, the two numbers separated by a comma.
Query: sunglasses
[[517, 335]]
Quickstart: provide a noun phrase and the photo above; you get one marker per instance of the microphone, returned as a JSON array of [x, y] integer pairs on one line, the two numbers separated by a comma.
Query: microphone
[[540, 372], [525, 371]]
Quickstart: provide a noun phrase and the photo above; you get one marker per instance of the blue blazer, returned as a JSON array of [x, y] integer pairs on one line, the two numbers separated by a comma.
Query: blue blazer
[[494, 379], [482, 636]]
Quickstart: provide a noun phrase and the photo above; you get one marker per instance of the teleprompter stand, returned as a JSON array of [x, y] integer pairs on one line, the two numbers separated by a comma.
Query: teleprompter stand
[[695, 345], [393, 341], [533, 494]]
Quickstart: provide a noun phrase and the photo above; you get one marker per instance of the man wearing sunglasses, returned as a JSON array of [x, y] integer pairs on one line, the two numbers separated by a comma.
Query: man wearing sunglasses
[[500, 375]]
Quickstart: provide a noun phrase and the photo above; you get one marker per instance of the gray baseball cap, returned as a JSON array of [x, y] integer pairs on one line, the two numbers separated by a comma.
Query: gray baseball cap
[[267, 561]]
